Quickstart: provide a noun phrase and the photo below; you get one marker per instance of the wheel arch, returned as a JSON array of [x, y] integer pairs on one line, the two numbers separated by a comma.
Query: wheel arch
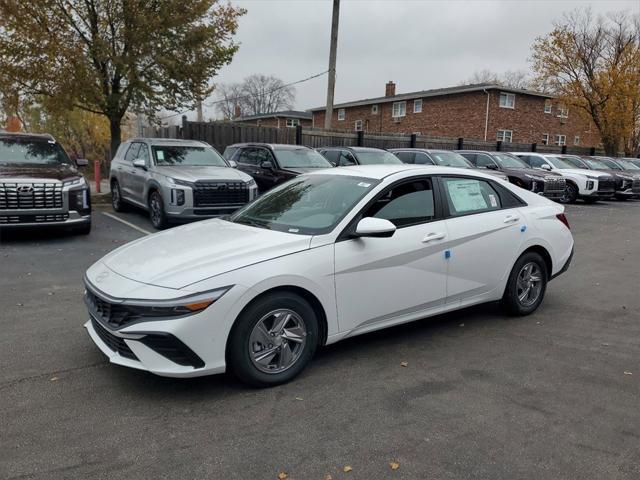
[[546, 256]]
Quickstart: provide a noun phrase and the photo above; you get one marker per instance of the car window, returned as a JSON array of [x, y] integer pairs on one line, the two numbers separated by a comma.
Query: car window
[[470, 195], [248, 156], [406, 204], [331, 155], [470, 156], [374, 157], [423, 159], [182, 155], [346, 158], [132, 153], [263, 155], [406, 157], [508, 160], [228, 152], [25, 151], [143, 153], [301, 157], [536, 162], [483, 161]]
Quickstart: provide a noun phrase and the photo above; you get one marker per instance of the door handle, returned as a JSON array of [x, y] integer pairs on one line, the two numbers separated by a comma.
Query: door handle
[[511, 218], [430, 237]]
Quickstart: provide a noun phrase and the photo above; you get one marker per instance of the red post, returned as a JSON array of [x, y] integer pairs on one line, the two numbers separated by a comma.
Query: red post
[[96, 174]]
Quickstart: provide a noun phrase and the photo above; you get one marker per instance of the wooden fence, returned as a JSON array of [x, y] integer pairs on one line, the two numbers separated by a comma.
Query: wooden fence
[[222, 134]]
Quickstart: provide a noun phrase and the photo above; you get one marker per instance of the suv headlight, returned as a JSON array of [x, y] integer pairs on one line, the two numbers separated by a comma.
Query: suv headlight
[[75, 182], [532, 177], [252, 184], [175, 181]]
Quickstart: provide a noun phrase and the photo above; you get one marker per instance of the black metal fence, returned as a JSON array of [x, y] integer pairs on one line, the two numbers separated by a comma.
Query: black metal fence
[[222, 134]]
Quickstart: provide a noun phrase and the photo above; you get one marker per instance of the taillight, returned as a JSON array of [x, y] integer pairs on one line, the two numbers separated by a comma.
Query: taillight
[[563, 218]]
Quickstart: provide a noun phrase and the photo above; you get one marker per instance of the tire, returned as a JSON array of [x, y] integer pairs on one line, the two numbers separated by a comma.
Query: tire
[[84, 229], [512, 299], [570, 194], [251, 356], [156, 211], [117, 203], [591, 200]]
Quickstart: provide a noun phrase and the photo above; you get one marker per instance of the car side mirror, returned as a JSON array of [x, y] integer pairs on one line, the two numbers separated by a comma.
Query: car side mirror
[[492, 166], [232, 163], [140, 163], [545, 167], [375, 227], [82, 162], [266, 164]]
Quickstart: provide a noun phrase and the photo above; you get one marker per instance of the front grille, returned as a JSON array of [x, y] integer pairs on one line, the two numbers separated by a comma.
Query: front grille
[[17, 196], [554, 187], [635, 188], [113, 314], [211, 194], [114, 343], [44, 218], [606, 185]]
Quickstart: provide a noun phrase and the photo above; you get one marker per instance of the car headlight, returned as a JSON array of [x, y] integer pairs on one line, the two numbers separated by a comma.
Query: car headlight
[[532, 177], [252, 184], [75, 182], [175, 181]]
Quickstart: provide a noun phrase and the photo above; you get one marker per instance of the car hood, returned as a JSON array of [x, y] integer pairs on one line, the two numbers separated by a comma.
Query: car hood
[[193, 173], [617, 173], [537, 174], [301, 170], [48, 172], [185, 255], [582, 171]]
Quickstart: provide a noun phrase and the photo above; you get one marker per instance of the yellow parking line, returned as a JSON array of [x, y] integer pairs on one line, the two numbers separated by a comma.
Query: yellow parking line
[[129, 224]]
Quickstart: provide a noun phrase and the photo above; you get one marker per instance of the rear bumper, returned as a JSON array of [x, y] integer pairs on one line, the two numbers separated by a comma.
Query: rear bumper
[[565, 267]]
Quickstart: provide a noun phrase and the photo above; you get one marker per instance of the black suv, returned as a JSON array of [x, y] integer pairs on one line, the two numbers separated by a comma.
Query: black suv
[[345, 156], [272, 164], [41, 185], [549, 184]]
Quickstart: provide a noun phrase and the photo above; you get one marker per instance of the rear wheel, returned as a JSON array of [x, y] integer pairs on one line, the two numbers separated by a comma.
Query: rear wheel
[[570, 193], [156, 211], [273, 340], [116, 197], [526, 286]]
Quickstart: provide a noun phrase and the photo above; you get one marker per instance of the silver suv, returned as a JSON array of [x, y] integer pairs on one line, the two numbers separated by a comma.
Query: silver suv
[[177, 180]]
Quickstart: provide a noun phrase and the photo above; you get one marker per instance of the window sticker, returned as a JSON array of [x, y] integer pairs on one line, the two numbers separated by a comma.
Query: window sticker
[[493, 201], [466, 195], [364, 184], [160, 154]]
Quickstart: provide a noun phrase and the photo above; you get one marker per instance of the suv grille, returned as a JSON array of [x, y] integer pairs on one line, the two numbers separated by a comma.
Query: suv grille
[[606, 185], [635, 188], [44, 218], [554, 186], [15, 196], [116, 344], [211, 194]]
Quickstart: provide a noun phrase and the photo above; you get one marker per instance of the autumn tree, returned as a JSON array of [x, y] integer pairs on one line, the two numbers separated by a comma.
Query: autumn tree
[[593, 64], [106, 56], [255, 94]]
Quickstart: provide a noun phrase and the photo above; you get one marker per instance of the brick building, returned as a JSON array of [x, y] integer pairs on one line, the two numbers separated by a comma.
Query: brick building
[[287, 118], [479, 112]]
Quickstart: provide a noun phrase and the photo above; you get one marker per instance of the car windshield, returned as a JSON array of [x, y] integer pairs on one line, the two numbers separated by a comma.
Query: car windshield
[[577, 162], [374, 157], [450, 159], [627, 165], [31, 152], [559, 163], [595, 164], [306, 205], [506, 160], [610, 164], [177, 155], [300, 158]]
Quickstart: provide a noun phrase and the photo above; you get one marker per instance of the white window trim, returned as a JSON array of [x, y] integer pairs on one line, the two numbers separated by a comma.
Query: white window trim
[[545, 139], [576, 140], [563, 112], [374, 109], [504, 136], [355, 125], [561, 140], [416, 102], [508, 95], [402, 104], [548, 106], [341, 114]]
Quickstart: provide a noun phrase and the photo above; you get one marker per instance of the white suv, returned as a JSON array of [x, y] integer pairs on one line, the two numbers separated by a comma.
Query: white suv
[[588, 185], [177, 180]]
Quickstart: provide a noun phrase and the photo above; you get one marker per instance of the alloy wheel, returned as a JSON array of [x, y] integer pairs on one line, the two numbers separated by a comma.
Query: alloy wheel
[[277, 341], [156, 209], [529, 284], [115, 196]]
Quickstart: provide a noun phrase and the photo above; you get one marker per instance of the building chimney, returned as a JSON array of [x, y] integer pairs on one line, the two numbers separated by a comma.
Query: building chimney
[[390, 89], [237, 111]]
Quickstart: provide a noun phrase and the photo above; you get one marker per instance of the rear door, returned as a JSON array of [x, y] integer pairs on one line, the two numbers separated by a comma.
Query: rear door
[[484, 228]]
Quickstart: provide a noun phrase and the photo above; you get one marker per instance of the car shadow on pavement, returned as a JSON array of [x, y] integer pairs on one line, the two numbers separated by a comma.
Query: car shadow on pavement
[[46, 234]]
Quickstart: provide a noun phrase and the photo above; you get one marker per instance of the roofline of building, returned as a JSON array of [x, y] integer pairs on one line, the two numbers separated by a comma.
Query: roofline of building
[[286, 114], [438, 92]]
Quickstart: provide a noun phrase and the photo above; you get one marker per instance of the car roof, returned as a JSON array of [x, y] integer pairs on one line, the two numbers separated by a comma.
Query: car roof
[[274, 146], [27, 136], [380, 171], [426, 150], [355, 149], [168, 141]]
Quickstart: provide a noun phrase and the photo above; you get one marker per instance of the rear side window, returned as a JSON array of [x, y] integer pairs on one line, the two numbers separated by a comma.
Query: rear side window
[[469, 156], [423, 159], [132, 153], [406, 157], [483, 161], [331, 155], [469, 195], [407, 204]]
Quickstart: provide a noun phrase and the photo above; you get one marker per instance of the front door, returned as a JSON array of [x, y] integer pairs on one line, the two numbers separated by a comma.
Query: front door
[[387, 280], [139, 176], [266, 178]]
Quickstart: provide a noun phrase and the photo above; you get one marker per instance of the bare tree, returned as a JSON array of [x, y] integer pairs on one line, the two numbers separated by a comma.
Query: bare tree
[[255, 94], [511, 78]]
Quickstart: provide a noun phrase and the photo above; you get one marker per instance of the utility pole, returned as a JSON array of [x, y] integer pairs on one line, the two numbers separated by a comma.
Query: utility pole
[[331, 83], [199, 110]]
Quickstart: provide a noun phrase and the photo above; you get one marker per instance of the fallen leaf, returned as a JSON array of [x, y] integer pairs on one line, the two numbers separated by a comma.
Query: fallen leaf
[[628, 373], [347, 468], [299, 398], [404, 364], [53, 379], [394, 465], [282, 475]]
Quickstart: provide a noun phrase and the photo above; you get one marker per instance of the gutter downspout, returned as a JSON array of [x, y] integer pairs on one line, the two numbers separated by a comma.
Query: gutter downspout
[[486, 116]]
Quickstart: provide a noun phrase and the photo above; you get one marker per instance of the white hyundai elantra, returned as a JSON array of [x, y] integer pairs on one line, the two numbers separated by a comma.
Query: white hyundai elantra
[[325, 256]]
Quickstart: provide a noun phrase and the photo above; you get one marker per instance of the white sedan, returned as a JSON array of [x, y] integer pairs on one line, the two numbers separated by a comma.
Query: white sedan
[[323, 257]]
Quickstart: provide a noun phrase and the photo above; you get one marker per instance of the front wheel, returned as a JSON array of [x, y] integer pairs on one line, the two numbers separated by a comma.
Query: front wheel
[[570, 193], [273, 340], [156, 211], [116, 197], [526, 286]]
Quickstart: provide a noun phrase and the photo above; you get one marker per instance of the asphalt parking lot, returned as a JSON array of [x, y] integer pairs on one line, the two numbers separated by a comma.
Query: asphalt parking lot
[[551, 396]]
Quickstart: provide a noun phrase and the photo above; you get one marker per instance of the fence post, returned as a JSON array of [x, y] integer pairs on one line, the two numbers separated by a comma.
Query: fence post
[[564, 149], [412, 140], [184, 127], [460, 143], [534, 147], [298, 134], [360, 138], [499, 146], [592, 151]]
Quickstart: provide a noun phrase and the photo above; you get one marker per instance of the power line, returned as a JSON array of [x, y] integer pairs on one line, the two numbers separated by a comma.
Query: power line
[[250, 96]]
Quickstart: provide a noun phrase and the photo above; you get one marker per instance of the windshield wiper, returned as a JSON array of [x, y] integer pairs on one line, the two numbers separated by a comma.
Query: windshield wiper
[[252, 223]]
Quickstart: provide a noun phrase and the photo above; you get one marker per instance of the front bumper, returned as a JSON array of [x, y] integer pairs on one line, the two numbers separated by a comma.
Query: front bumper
[[23, 219]]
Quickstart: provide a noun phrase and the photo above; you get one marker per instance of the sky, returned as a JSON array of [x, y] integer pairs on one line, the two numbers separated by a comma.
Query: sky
[[419, 44]]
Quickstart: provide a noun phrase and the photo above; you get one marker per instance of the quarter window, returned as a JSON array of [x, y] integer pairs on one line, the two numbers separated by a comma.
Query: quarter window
[[507, 100], [341, 114], [470, 195], [547, 106], [399, 109], [407, 204], [505, 135], [417, 105]]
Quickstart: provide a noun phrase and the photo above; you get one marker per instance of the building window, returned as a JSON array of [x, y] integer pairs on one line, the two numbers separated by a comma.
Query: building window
[[563, 112], [545, 139], [505, 135], [561, 140], [293, 122], [399, 109], [576, 140], [547, 106], [341, 114], [374, 109], [507, 100], [358, 125], [417, 105]]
